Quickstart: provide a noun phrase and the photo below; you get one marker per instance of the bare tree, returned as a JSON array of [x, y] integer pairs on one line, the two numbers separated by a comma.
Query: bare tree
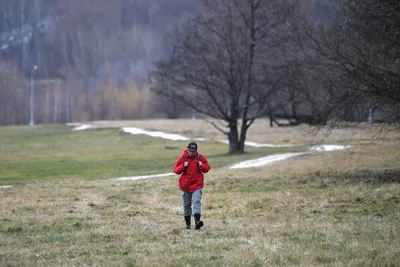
[[358, 52], [224, 63]]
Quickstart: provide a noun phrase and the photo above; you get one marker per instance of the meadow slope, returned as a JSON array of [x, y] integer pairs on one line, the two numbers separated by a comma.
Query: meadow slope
[[339, 208]]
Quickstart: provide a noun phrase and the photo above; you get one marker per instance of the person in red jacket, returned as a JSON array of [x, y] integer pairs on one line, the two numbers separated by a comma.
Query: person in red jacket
[[192, 165]]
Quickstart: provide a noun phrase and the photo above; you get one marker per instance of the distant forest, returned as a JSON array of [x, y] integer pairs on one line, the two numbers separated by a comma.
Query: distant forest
[[93, 57], [99, 59]]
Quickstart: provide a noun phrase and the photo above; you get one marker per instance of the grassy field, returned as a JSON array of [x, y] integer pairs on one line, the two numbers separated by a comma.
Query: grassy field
[[338, 208], [56, 152]]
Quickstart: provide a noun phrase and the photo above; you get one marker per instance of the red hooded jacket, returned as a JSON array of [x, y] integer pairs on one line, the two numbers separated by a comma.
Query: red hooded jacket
[[192, 177]]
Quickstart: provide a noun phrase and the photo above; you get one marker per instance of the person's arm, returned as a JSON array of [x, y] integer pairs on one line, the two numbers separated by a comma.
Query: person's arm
[[179, 167], [205, 167]]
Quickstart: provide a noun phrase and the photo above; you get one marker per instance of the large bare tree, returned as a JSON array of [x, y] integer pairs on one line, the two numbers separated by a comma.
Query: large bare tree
[[226, 64]]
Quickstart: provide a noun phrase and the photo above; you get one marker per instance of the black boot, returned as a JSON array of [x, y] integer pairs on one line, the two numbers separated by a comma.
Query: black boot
[[187, 219], [198, 223]]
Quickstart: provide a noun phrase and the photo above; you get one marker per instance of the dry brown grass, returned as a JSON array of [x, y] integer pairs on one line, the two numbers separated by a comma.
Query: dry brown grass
[[336, 208], [308, 211]]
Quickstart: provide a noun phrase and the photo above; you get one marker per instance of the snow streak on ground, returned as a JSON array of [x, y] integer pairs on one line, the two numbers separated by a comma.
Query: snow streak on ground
[[276, 157], [81, 127], [5, 186], [329, 147], [254, 144], [143, 177], [265, 160], [169, 136]]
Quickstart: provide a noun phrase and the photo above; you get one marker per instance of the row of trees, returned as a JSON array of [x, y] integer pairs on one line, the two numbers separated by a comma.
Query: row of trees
[[57, 102], [241, 60], [82, 44], [88, 37]]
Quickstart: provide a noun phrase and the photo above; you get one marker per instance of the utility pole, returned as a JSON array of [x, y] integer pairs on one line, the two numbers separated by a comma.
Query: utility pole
[[32, 121], [193, 114], [370, 115]]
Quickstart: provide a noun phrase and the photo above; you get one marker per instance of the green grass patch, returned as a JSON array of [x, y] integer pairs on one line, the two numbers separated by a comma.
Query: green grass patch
[[57, 152]]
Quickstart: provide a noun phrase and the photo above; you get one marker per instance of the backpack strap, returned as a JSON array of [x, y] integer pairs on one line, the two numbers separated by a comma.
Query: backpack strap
[[198, 158], [184, 160]]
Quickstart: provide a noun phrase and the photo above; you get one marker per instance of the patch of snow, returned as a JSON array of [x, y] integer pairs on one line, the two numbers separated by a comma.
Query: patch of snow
[[175, 137], [254, 144], [134, 178], [265, 160], [5, 186], [81, 127], [276, 157], [329, 147]]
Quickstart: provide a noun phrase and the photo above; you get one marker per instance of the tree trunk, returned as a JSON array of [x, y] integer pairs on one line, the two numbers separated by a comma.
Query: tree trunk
[[242, 139], [55, 110], [233, 137], [65, 89], [48, 109], [271, 121], [236, 142]]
